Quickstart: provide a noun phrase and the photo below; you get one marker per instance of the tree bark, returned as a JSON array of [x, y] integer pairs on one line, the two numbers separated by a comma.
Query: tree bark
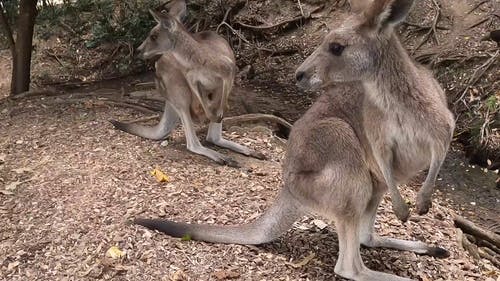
[[21, 61]]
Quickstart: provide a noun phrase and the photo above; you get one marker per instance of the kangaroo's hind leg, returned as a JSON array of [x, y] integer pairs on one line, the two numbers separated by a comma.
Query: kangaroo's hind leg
[[193, 143], [372, 240], [214, 136], [349, 264]]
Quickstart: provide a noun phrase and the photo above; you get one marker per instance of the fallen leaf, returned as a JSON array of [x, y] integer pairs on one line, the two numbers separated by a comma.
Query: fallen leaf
[[186, 237], [179, 275], [12, 265], [320, 224], [22, 170], [12, 186], [226, 274], [160, 176], [115, 253], [303, 262], [5, 192]]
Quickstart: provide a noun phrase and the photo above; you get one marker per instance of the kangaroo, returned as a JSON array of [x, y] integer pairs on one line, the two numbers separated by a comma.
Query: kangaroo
[[379, 121], [195, 74]]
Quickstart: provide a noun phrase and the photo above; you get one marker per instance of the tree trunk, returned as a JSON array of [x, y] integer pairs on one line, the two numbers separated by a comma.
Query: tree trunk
[[21, 61]]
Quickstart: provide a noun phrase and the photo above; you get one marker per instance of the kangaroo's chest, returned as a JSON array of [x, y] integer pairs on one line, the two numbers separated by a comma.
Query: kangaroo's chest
[[400, 134]]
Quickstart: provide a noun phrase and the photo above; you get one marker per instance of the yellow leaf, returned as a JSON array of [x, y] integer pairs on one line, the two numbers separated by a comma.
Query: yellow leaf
[[160, 176], [115, 253]]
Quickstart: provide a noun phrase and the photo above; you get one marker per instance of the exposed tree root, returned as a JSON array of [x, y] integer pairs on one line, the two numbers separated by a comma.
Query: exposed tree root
[[478, 242], [432, 30], [255, 117], [478, 232]]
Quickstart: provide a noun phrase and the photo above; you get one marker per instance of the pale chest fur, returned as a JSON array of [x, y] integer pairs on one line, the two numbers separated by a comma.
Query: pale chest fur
[[398, 131]]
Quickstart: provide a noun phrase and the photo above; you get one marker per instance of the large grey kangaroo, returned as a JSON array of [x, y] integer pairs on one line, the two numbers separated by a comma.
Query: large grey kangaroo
[[384, 120], [195, 74]]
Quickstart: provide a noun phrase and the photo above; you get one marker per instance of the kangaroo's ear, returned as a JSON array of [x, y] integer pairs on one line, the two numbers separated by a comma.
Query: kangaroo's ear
[[386, 13], [177, 9], [155, 15], [165, 20]]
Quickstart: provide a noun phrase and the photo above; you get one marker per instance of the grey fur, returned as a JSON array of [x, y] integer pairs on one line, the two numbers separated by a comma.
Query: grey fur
[[384, 120], [195, 74]]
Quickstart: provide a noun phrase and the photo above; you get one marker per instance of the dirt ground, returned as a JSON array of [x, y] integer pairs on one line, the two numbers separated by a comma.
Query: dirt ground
[[70, 184]]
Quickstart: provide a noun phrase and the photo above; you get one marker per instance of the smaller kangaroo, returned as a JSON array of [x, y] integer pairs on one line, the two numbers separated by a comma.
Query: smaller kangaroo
[[381, 119], [195, 74]]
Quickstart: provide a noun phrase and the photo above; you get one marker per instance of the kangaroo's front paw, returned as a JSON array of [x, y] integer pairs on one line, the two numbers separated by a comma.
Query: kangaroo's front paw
[[423, 204], [402, 211]]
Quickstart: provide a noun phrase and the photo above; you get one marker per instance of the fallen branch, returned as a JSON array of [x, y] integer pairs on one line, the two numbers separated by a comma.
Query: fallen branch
[[254, 117], [144, 119], [479, 22], [420, 27], [34, 93], [146, 84], [478, 232], [477, 6], [135, 106], [150, 95], [281, 23]]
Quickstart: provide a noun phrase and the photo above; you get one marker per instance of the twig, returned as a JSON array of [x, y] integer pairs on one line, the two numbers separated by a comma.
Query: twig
[[477, 6], [146, 84], [143, 119], [69, 28], [478, 73], [50, 54], [281, 23], [432, 30], [481, 21], [224, 20], [424, 27], [301, 10]]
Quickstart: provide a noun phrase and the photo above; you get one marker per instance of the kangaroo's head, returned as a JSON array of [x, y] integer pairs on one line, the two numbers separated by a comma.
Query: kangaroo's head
[[353, 51], [164, 35]]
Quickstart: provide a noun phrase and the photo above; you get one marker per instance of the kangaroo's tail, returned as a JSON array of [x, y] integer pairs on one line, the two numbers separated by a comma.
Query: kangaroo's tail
[[269, 226], [168, 121]]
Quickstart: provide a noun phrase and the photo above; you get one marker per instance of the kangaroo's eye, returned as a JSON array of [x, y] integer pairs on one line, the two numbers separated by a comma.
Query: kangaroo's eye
[[336, 49], [153, 37]]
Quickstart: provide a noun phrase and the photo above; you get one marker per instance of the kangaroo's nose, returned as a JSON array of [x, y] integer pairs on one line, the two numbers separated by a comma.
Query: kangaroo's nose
[[300, 75]]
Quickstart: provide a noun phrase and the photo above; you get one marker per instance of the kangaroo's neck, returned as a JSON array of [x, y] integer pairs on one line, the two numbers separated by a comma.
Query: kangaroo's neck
[[188, 51], [395, 82]]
